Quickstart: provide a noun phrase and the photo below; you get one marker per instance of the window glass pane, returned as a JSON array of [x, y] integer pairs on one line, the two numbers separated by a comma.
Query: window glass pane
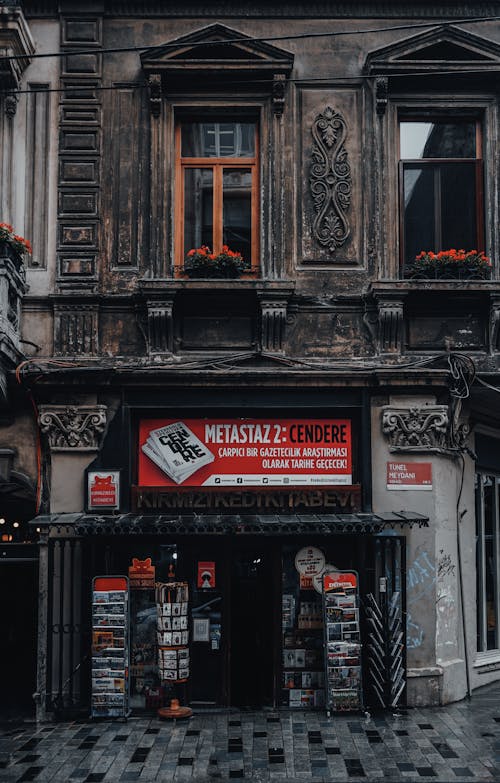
[[218, 140], [419, 207], [458, 206], [437, 140], [237, 211], [198, 208]]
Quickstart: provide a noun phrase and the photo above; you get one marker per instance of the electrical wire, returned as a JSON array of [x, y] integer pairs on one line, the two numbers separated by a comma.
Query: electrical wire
[[488, 385], [254, 39], [241, 82]]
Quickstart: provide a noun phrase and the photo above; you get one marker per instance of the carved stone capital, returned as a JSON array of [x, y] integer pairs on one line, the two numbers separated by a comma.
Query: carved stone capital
[[154, 84], [72, 427], [418, 429], [330, 180]]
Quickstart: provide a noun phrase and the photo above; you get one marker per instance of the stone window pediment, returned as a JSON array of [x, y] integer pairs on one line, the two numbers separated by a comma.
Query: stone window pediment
[[216, 55], [426, 52]]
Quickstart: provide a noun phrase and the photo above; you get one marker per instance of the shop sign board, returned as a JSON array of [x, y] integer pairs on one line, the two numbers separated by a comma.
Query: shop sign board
[[244, 453], [103, 490], [409, 475]]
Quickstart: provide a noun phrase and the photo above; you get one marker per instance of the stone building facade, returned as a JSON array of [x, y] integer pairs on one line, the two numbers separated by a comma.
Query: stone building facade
[[329, 145]]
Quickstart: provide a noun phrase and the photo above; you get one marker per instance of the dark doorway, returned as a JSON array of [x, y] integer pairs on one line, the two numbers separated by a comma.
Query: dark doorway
[[252, 641], [18, 610]]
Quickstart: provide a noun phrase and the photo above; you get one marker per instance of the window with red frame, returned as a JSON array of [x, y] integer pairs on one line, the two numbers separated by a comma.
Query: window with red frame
[[217, 188]]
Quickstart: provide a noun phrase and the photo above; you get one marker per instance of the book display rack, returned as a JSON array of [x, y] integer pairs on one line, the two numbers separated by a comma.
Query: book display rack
[[342, 642], [110, 647], [303, 673]]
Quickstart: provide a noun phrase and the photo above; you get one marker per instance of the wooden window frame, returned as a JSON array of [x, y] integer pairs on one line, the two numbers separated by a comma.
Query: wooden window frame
[[435, 163], [217, 165]]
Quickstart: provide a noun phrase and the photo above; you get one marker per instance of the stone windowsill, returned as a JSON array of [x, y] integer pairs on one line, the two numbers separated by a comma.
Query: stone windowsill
[[487, 661]]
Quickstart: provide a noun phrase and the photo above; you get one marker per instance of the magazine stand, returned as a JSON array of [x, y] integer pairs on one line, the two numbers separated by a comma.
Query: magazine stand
[[110, 647], [342, 642], [173, 641]]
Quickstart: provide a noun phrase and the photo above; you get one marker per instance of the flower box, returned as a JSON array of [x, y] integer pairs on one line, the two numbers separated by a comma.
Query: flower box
[[201, 263], [449, 265], [11, 243]]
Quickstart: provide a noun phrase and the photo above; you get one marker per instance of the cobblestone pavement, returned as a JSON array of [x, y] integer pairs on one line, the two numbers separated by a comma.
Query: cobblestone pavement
[[460, 742]]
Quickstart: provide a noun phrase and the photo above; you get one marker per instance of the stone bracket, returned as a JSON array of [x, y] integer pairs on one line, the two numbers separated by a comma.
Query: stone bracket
[[160, 326], [390, 331], [273, 322]]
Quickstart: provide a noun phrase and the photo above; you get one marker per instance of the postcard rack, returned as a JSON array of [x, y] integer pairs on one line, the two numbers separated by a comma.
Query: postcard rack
[[342, 642], [172, 631], [110, 647]]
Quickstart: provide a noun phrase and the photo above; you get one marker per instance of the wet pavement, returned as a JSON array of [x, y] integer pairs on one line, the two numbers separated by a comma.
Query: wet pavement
[[459, 742]]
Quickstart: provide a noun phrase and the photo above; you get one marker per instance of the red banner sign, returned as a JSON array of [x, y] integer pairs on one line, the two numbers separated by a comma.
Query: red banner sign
[[409, 475], [244, 452]]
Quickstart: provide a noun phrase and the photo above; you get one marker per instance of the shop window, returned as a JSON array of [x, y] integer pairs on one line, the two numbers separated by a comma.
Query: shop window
[[487, 561], [217, 188], [441, 185]]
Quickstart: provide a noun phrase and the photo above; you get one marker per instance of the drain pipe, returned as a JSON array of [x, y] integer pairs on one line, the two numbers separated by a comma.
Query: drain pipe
[[460, 516]]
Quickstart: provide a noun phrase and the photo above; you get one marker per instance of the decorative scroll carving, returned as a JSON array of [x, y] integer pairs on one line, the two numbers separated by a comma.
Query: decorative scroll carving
[[381, 91], [416, 429], [279, 83], [330, 180], [154, 83], [72, 428]]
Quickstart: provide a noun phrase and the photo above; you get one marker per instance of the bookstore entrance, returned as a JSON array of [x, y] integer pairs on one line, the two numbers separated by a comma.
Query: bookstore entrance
[[254, 623]]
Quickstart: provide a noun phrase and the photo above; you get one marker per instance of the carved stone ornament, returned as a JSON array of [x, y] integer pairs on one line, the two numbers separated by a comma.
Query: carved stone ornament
[[416, 429], [330, 180], [279, 84], [381, 93], [154, 83], [72, 428]]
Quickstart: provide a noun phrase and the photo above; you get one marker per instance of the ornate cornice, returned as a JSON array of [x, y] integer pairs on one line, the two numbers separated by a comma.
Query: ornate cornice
[[417, 429], [17, 48], [72, 427], [330, 180]]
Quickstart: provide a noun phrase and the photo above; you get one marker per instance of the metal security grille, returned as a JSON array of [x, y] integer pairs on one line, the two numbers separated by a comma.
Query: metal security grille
[[385, 643], [68, 629]]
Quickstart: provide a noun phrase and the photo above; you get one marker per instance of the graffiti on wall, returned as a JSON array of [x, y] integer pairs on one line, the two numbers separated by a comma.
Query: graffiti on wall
[[420, 580], [446, 632]]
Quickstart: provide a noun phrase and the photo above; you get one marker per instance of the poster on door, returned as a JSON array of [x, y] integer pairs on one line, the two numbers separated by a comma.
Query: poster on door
[[244, 452]]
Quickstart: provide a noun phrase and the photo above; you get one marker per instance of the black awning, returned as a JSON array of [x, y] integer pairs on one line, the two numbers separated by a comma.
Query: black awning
[[227, 524]]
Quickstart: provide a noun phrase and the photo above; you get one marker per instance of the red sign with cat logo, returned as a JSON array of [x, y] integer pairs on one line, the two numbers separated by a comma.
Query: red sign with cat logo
[[103, 489]]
